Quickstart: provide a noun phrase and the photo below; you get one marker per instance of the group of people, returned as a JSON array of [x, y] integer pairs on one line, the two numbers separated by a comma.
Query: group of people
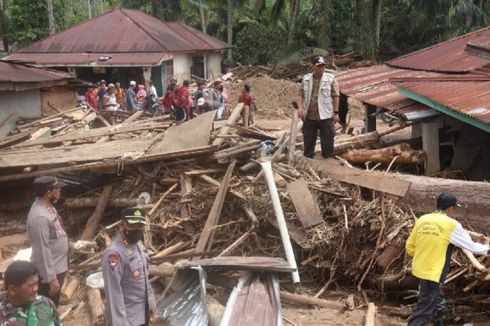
[[112, 97], [33, 288]]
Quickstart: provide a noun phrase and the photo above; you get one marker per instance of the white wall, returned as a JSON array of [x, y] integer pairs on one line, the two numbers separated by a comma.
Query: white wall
[[182, 67], [24, 103], [214, 65]]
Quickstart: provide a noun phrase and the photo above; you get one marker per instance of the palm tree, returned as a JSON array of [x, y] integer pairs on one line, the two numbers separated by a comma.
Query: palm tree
[[50, 17], [201, 14]]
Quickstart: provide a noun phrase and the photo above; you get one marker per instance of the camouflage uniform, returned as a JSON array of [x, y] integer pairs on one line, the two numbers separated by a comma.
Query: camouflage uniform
[[127, 287], [41, 312]]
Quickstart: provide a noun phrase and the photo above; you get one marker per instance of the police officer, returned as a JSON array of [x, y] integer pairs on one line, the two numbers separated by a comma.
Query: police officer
[[47, 237], [129, 296]]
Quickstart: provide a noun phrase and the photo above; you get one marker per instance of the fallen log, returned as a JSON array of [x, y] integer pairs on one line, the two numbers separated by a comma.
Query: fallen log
[[70, 289], [96, 306], [401, 153], [163, 270], [84, 202], [310, 301]]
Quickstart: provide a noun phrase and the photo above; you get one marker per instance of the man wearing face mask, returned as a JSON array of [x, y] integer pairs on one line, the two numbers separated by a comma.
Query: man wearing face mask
[[130, 298], [47, 237]]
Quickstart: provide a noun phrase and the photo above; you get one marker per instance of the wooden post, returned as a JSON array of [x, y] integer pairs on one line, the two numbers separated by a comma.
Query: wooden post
[[94, 220], [430, 143], [292, 138], [370, 118]]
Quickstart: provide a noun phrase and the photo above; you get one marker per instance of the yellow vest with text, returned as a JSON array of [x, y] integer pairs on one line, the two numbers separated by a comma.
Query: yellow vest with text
[[429, 243]]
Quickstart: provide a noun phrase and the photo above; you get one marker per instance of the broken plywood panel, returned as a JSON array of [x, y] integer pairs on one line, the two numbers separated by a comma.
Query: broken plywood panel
[[306, 207]]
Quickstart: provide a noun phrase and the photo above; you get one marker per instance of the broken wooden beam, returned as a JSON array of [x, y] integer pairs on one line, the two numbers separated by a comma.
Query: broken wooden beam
[[206, 238], [400, 154], [310, 301], [93, 222], [234, 117], [306, 207]]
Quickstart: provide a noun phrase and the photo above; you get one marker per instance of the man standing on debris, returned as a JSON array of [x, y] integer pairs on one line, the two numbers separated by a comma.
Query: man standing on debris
[[21, 305], [130, 298], [131, 97], [248, 113], [100, 94], [182, 99], [431, 243], [318, 107], [47, 237], [120, 95]]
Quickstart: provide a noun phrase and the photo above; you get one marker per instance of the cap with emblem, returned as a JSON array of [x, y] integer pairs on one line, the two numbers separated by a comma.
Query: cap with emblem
[[319, 61], [133, 216]]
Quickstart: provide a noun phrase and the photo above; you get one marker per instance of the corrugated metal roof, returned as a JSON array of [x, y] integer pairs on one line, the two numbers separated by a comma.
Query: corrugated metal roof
[[469, 98], [12, 72], [372, 86], [123, 31], [92, 59], [449, 56]]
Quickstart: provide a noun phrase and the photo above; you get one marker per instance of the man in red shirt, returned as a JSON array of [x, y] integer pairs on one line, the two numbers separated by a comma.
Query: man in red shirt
[[91, 97], [182, 99], [248, 113]]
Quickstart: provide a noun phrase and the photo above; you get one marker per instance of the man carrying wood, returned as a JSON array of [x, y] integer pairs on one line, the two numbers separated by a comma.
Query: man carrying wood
[[431, 243], [47, 237], [129, 295], [318, 107]]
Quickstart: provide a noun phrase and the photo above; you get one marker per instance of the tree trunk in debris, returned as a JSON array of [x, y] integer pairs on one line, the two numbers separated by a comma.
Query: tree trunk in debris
[[377, 28], [51, 17], [96, 306], [403, 152], [83, 202]]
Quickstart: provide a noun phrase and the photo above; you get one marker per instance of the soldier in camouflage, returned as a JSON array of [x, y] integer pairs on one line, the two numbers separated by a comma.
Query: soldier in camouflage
[[129, 295], [21, 305]]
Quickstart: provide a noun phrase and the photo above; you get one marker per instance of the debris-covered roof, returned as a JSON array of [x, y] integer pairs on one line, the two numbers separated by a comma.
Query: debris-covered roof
[[21, 77], [118, 33], [465, 99], [450, 56]]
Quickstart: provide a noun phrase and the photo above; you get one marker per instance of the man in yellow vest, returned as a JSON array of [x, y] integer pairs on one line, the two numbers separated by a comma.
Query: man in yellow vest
[[431, 243]]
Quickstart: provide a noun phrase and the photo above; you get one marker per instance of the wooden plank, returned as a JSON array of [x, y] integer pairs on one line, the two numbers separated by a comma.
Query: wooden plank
[[306, 207], [190, 134], [207, 234], [250, 133], [292, 138], [214, 182], [296, 234], [368, 179], [234, 117], [266, 264]]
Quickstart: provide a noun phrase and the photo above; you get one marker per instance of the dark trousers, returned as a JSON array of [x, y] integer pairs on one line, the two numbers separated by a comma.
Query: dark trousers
[[430, 305], [310, 132], [43, 289]]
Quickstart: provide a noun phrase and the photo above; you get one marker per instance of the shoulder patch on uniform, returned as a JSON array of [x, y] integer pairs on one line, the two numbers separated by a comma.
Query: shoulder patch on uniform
[[113, 258]]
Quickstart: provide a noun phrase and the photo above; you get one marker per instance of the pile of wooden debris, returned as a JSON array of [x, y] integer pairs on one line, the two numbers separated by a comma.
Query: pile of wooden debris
[[205, 196]]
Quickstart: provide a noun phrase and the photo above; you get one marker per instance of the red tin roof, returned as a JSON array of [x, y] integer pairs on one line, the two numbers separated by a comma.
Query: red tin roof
[[120, 31], [450, 56]]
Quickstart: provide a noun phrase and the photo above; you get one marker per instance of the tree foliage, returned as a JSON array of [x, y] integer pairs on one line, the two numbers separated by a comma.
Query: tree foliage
[[265, 31]]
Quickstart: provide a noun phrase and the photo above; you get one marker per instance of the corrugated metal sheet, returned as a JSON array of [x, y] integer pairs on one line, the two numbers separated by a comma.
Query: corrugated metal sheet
[[470, 98], [449, 56], [122, 31], [91, 59], [16, 73], [372, 86]]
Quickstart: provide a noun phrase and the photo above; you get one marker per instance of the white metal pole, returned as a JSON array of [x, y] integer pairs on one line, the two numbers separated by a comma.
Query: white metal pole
[[283, 229]]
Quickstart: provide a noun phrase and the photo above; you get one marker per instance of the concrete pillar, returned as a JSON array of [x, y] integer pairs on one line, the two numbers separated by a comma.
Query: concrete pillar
[[370, 118], [416, 130], [430, 143]]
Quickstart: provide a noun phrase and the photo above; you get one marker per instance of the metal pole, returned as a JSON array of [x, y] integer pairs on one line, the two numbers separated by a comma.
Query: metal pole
[[281, 221]]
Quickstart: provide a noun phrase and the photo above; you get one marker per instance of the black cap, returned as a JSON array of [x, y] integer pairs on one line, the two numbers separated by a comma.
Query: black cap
[[48, 181], [446, 200], [133, 216]]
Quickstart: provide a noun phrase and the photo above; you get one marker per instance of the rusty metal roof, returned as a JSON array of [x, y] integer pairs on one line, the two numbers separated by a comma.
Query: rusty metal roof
[[121, 31], [464, 98], [16, 76], [451, 56], [372, 86]]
